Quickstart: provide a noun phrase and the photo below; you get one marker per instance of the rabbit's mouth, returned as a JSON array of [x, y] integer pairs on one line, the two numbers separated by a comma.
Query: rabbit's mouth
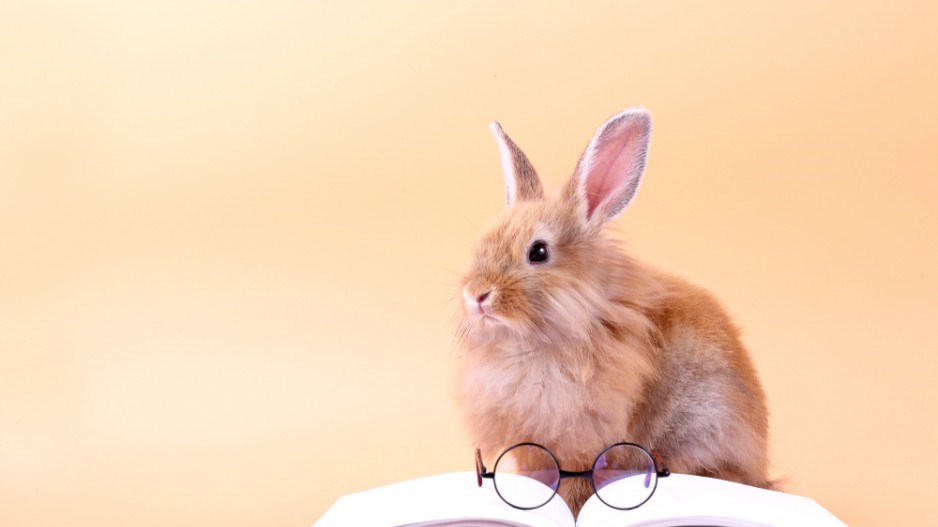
[[487, 317]]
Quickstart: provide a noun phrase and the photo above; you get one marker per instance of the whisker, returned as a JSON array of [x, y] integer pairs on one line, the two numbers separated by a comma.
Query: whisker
[[460, 335], [450, 271], [447, 304]]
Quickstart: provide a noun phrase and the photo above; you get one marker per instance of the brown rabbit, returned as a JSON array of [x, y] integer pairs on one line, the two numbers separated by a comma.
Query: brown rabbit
[[571, 343]]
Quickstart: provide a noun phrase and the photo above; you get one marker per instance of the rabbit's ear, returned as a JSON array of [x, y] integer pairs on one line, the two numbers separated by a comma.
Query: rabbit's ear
[[521, 181], [610, 170]]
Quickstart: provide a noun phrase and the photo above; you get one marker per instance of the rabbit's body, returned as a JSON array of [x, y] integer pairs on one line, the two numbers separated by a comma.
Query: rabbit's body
[[588, 347]]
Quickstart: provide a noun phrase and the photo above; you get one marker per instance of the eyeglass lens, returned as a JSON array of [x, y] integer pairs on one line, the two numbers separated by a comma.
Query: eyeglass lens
[[527, 476], [624, 476]]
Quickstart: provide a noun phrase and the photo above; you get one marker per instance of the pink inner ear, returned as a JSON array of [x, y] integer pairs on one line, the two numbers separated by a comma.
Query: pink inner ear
[[615, 167]]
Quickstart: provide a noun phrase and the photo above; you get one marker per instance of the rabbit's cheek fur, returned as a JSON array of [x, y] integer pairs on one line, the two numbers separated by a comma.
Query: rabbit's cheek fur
[[568, 313]]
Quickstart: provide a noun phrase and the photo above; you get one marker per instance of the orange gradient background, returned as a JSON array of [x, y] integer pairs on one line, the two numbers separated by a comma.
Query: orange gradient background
[[231, 232]]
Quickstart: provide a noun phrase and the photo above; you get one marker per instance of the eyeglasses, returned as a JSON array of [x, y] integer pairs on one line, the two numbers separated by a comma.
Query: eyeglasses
[[527, 475]]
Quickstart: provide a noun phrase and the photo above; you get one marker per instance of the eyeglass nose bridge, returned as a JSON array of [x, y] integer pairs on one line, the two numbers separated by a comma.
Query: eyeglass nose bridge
[[576, 474]]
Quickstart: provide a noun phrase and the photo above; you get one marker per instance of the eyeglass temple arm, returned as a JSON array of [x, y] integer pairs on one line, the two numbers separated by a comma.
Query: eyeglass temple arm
[[481, 471], [656, 458], [663, 473]]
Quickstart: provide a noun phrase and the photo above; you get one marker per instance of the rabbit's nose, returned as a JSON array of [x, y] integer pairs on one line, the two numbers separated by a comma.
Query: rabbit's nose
[[478, 302]]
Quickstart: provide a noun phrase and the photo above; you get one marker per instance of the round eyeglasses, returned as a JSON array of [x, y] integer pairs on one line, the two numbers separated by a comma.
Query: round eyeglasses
[[527, 475]]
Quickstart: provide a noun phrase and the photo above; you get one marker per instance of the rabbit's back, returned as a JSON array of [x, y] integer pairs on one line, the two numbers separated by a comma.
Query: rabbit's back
[[706, 412]]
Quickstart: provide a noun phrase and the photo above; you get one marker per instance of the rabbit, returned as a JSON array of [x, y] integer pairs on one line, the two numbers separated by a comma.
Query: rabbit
[[569, 342]]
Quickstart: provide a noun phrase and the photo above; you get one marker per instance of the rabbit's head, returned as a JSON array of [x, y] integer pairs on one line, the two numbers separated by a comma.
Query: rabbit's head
[[542, 273]]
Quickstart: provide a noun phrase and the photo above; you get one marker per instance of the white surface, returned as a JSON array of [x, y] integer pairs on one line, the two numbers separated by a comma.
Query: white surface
[[454, 496]]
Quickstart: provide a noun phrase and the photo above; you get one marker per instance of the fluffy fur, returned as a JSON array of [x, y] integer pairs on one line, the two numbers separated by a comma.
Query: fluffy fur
[[593, 347]]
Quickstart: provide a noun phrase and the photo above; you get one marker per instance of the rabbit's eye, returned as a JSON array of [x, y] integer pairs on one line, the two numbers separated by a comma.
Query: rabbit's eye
[[538, 252]]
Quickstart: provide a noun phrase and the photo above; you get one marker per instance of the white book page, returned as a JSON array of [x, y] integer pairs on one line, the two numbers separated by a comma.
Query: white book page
[[447, 499], [681, 499]]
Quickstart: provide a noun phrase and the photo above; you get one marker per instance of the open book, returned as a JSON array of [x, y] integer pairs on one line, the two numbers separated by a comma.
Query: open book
[[455, 499]]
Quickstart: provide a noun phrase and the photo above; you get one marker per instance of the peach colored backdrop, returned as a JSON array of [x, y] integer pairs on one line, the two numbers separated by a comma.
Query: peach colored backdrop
[[230, 234]]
